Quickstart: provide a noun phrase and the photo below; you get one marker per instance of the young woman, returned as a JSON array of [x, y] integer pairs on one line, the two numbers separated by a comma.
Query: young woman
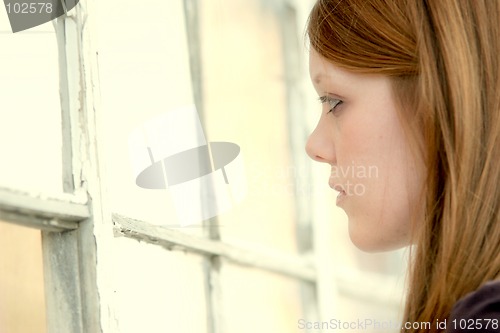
[[412, 89]]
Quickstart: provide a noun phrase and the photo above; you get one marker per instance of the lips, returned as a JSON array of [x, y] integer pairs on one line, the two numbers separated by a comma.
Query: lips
[[340, 189], [336, 187]]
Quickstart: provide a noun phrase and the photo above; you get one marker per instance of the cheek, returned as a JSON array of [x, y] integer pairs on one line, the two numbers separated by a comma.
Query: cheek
[[393, 186], [354, 141], [378, 147], [366, 141], [394, 195]]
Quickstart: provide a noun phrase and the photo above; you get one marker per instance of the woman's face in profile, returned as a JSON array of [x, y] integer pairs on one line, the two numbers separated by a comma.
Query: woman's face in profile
[[360, 136]]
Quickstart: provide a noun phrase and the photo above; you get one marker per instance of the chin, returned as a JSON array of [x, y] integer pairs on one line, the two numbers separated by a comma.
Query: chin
[[374, 242]]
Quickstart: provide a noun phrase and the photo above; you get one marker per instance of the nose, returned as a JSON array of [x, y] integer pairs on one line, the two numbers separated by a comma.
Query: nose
[[320, 146]]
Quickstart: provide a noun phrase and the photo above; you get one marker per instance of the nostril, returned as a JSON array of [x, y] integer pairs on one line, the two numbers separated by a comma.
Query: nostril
[[315, 154], [319, 158]]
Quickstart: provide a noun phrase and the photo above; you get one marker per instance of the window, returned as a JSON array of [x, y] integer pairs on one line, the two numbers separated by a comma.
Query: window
[[43, 181], [116, 256]]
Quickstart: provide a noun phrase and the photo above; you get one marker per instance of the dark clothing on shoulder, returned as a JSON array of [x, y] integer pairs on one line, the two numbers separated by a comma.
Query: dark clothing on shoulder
[[477, 312]]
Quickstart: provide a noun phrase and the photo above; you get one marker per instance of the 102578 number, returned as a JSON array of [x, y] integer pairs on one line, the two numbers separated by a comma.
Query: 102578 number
[[475, 324], [29, 8]]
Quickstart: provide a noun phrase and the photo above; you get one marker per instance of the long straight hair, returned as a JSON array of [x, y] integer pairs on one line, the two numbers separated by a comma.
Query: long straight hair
[[443, 59]]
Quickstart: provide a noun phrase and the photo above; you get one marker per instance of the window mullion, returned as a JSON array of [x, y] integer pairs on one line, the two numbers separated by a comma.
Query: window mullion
[[212, 264], [288, 265], [70, 258], [37, 211]]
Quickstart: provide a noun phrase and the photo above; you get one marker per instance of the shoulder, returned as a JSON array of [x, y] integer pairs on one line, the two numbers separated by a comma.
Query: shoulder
[[476, 310]]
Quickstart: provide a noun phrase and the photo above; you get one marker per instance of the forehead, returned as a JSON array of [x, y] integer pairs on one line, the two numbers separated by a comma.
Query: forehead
[[323, 71], [330, 78]]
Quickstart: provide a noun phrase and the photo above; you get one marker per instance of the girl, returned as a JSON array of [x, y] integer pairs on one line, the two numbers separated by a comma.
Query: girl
[[412, 88]]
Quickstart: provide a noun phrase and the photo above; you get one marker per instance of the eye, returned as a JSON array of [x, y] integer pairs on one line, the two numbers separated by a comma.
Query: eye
[[332, 102]]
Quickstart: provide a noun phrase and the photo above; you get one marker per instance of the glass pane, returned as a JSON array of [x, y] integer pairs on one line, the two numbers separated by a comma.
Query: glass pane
[[145, 87], [157, 290], [30, 120], [268, 303], [22, 301], [244, 95]]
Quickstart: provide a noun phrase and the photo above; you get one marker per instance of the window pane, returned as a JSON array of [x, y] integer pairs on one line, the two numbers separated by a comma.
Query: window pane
[[268, 303], [30, 120], [144, 72], [22, 302], [157, 290], [244, 94]]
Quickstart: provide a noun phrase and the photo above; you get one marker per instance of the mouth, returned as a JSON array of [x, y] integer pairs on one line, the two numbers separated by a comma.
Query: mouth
[[342, 194]]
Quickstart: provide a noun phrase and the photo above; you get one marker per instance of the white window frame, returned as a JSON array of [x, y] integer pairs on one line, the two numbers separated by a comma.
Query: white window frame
[[67, 222]]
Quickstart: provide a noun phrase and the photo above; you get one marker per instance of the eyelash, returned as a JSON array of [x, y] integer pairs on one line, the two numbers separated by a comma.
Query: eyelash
[[333, 102]]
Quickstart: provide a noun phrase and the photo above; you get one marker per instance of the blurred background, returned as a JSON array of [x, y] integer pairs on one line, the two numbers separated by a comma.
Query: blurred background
[[243, 63]]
